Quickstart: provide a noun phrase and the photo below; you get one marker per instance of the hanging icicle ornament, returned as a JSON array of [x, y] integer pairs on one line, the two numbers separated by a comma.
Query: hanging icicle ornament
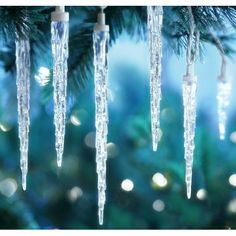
[[223, 97], [189, 102], [60, 33], [154, 22], [223, 91], [23, 99], [100, 46]]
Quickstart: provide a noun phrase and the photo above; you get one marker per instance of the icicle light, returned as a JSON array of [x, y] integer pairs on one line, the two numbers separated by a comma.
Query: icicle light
[[223, 101], [23, 98], [154, 23], [189, 102], [223, 90], [100, 46], [60, 33]]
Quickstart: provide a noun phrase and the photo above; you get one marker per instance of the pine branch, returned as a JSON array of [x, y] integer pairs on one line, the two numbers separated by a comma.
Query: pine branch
[[176, 26], [35, 23], [118, 18], [23, 20]]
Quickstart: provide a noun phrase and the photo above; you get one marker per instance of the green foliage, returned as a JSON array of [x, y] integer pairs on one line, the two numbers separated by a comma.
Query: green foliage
[[47, 203], [35, 23], [22, 21], [207, 19]]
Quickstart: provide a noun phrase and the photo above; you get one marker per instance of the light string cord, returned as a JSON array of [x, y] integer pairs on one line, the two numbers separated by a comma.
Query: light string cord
[[220, 48], [224, 90], [192, 51]]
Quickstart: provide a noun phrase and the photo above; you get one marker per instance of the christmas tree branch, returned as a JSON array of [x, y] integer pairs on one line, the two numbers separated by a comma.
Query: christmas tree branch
[[35, 22]]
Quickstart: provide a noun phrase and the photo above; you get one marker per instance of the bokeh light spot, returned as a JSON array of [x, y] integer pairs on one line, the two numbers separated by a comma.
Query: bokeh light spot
[[43, 76], [159, 180], [232, 206], [8, 187], [127, 185], [5, 127], [112, 150], [233, 137], [158, 205], [232, 180], [75, 120], [201, 194], [168, 114], [75, 193], [90, 139]]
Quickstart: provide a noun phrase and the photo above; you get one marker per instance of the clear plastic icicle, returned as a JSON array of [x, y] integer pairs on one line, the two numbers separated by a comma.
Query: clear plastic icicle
[[23, 98], [223, 100], [60, 33], [223, 90], [189, 102], [154, 23], [100, 46]]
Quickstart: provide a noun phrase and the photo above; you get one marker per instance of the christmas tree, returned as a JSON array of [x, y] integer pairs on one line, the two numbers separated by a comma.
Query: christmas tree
[[145, 189]]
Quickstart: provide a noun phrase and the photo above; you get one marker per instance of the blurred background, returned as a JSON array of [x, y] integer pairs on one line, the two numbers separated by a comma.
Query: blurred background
[[145, 189]]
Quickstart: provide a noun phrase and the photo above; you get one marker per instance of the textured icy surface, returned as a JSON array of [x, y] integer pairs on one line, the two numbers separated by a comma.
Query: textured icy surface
[[100, 45], [60, 33], [223, 97], [189, 101], [154, 22], [23, 98]]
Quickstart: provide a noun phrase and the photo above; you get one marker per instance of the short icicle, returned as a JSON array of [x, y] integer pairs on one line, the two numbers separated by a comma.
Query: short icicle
[[223, 90], [223, 101]]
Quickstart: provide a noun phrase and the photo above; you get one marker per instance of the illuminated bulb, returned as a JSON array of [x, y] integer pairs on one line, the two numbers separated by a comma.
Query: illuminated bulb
[[160, 180], [232, 180], [127, 185], [201, 194], [75, 120], [158, 205]]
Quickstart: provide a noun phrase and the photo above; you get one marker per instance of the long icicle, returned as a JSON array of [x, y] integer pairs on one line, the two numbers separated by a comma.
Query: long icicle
[[223, 90], [154, 23], [100, 46], [23, 98], [60, 34], [189, 102]]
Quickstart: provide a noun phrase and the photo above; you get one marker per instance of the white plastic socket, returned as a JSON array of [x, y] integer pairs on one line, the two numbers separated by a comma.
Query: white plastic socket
[[101, 25], [59, 14]]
